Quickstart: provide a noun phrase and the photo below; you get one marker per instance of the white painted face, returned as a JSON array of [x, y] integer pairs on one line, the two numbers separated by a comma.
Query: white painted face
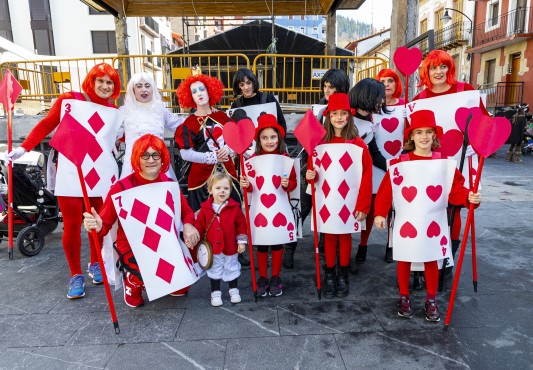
[[143, 91], [199, 93]]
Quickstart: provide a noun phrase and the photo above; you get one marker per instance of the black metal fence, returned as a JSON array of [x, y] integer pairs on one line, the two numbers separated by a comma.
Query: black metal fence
[[501, 94]]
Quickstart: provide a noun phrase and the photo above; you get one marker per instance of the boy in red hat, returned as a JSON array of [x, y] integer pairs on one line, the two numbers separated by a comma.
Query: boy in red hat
[[420, 228]]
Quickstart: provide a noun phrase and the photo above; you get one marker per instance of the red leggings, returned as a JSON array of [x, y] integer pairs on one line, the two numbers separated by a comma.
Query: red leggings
[[72, 211], [330, 249], [431, 272]]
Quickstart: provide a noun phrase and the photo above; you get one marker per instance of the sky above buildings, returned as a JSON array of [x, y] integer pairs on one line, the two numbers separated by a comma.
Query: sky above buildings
[[377, 12]]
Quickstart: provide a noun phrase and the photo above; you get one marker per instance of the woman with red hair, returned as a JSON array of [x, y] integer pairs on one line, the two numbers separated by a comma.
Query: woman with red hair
[[199, 138], [393, 86], [150, 160], [101, 84]]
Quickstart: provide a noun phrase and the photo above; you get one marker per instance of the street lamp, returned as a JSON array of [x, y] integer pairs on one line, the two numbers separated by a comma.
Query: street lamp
[[446, 17]]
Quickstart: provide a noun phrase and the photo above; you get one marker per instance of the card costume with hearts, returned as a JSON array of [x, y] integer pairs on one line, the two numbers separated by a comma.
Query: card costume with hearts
[[72, 204]]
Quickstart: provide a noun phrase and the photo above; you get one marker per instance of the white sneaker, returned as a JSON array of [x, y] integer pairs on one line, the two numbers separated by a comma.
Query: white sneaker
[[216, 298], [234, 295]]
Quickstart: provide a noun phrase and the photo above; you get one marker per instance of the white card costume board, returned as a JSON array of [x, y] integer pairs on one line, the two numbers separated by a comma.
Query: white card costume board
[[444, 108], [364, 129], [420, 232], [103, 123], [339, 168], [389, 139], [271, 218], [318, 110], [152, 231]]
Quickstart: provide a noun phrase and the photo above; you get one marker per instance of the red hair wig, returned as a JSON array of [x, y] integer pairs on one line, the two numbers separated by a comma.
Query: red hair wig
[[142, 144], [434, 59], [101, 70], [215, 90], [387, 72]]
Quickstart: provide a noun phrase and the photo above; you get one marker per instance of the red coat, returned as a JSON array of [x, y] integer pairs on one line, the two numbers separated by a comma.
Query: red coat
[[383, 203], [225, 228]]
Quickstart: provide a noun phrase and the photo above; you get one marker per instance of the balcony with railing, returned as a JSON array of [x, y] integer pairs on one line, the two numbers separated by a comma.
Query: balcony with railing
[[453, 36], [501, 94], [504, 29]]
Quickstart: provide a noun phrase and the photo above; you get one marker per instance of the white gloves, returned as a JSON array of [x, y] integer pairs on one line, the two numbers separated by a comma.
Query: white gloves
[[470, 151], [14, 154]]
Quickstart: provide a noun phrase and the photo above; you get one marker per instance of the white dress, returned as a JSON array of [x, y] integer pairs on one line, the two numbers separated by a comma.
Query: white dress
[[146, 120]]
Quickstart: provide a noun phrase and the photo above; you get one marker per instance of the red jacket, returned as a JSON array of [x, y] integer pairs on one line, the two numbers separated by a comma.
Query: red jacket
[[225, 228]]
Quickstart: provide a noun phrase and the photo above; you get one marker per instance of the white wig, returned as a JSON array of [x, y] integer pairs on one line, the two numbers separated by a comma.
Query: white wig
[[131, 104]]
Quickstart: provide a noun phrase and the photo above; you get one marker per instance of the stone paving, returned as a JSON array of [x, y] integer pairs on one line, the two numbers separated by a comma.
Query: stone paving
[[491, 329]]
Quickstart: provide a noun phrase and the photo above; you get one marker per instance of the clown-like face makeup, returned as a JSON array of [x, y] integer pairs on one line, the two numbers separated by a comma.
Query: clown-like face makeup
[[104, 87], [423, 139], [390, 86], [143, 91], [437, 75], [221, 191], [328, 90], [247, 88], [199, 93], [269, 140], [339, 119]]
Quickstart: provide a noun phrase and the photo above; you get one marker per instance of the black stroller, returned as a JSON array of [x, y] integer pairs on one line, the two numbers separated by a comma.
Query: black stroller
[[35, 209]]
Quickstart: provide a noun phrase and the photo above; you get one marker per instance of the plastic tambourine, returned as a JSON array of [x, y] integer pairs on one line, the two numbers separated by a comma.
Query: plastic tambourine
[[204, 255]]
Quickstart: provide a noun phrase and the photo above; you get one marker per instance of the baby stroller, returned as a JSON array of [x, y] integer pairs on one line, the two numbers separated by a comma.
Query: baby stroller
[[35, 209]]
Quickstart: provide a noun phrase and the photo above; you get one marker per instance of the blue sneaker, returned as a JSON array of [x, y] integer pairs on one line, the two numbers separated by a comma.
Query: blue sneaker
[[96, 273], [76, 287]]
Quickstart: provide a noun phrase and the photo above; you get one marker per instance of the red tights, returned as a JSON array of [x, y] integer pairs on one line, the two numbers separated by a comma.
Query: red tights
[[330, 249], [72, 211], [431, 272]]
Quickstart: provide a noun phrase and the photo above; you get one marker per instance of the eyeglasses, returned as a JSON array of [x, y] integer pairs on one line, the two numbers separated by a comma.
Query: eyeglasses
[[155, 155]]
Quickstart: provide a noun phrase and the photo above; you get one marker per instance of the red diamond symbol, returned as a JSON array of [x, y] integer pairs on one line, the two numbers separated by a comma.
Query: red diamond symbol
[[92, 178], [344, 214], [163, 220], [96, 122], [325, 188], [123, 213], [113, 179], [346, 161], [325, 162], [324, 213], [151, 239], [317, 162], [343, 189], [140, 211], [164, 270], [170, 201]]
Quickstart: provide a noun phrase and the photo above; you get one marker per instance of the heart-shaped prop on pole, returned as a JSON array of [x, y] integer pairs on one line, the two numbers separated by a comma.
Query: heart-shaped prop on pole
[[239, 136], [461, 116], [407, 60], [486, 135], [310, 133]]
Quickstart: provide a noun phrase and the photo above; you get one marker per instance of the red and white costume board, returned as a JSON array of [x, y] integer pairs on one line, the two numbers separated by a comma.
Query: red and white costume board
[[152, 232], [389, 139], [318, 109], [445, 107], [339, 170], [294, 198], [270, 210], [101, 172], [420, 232], [365, 129]]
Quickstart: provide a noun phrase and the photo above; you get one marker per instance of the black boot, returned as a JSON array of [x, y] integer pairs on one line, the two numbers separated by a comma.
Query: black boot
[[243, 260], [360, 257], [288, 256], [455, 246], [388, 254], [343, 287], [353, 268], [321, 243], [329, 283]]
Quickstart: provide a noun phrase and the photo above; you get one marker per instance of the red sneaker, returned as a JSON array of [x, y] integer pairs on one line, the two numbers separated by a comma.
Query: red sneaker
[[133, 290], [181, 292]]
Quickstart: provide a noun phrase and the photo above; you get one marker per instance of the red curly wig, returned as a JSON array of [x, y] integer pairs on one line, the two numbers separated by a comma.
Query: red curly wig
[[387, 72], [215, 90], [142, 144], [434, 59], [101, 70]]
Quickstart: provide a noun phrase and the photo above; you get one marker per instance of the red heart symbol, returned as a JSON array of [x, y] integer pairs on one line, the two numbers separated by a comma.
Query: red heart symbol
[[259, 182], [487, 135], [290, 227], [397, 180], [260, 221], [450, 143], [393, 147], [444, 251], [268, 200], [434, 192], [279, 220], [239, 135], [443, 241], [473, 171], [407, 60], [433, 230], [390, 124], [461, 115], [251, 173], [409, 193], [276, 180], [408, 230]]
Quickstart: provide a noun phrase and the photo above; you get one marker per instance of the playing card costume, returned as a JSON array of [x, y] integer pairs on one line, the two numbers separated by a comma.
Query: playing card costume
[[100, 117]]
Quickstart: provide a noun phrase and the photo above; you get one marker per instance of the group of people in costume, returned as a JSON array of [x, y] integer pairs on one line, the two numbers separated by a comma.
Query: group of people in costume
[[356, 181]]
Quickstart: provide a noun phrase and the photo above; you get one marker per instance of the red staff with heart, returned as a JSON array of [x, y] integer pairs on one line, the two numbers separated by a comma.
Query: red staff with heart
[[310, 133], [239, 136], [486, 136], [407, 61]]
